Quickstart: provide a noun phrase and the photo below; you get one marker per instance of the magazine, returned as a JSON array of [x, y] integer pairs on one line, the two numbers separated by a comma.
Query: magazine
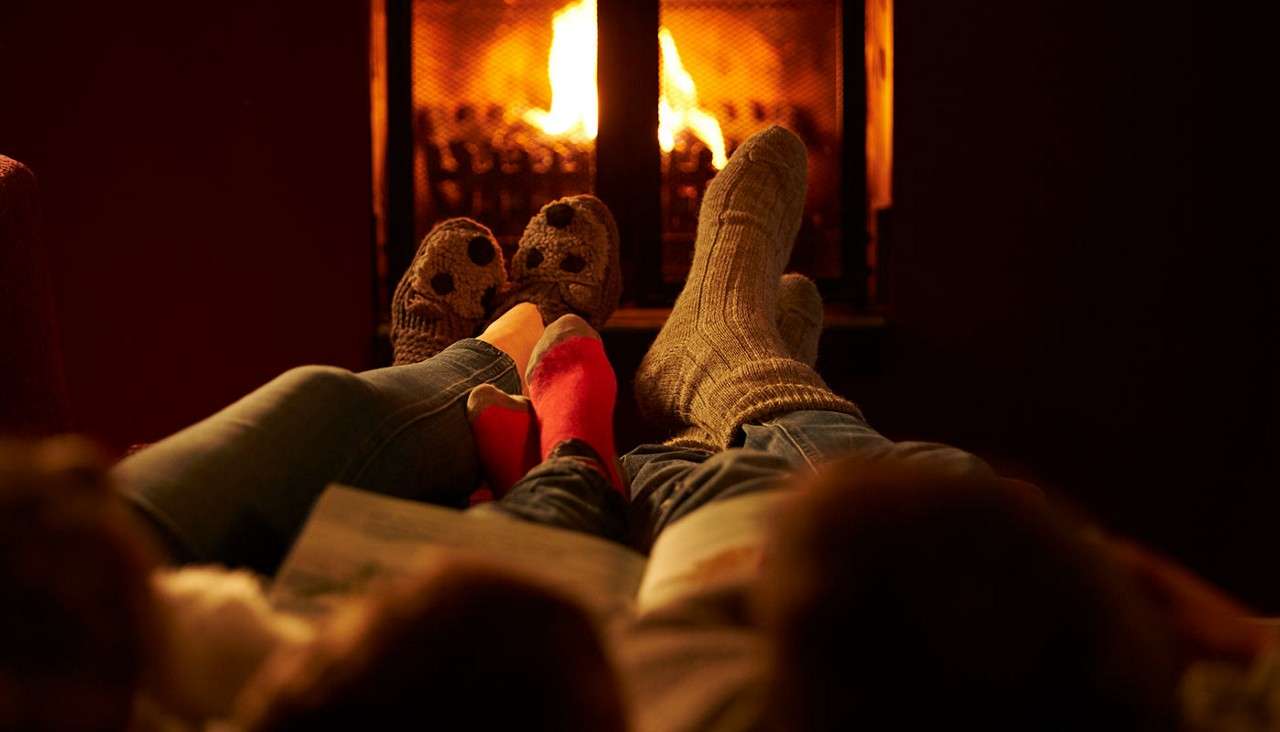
[[354, 538]]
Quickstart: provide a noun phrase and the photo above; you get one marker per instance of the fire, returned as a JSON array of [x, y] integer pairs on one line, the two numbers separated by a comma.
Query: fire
[[678, 106], [575, 103]]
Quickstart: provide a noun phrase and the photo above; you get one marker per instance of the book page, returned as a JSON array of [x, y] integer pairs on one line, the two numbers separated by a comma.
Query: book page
[[723, 539], [354, 538]]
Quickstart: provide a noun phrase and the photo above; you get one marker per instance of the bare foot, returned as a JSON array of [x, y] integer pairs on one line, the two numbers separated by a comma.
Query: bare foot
[[515, 333]]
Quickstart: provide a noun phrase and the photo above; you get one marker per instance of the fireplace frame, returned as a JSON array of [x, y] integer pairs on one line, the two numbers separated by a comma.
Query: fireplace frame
[[628, 158]]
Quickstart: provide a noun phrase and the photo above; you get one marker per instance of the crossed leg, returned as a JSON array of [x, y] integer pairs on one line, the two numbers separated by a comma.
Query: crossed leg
[[732, 371]]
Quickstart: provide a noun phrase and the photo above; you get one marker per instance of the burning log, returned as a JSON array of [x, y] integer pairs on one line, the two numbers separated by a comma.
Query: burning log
[[501, 176]]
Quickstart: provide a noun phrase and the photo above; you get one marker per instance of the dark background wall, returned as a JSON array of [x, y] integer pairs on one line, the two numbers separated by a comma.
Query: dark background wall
[[1061, 300], [1063, 295], [204, 175]]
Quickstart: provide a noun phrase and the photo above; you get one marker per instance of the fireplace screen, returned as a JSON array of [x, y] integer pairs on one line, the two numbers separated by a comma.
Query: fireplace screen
[[504, 99], [736, 67], [491, 142]]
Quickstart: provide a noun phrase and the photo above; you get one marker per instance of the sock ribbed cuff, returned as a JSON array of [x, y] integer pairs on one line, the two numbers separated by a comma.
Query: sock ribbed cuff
[[760, 389], [764, 402], [695, 438]]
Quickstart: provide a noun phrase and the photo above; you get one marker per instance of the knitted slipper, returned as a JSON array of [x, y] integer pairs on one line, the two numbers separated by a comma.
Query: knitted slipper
[[447, 290], [567, 262]]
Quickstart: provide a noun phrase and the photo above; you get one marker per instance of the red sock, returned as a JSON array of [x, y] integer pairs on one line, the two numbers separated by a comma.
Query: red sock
[[506, 440], [573, 390]]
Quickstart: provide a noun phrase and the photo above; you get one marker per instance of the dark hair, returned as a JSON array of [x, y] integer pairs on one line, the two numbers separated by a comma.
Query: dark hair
[[463, 646], [903, 597], [77, 606]]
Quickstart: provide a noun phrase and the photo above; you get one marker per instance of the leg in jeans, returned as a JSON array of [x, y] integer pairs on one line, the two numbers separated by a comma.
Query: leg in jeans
[[733, 365], [567, 422], [670, 483], [567, 492], [236, 487]]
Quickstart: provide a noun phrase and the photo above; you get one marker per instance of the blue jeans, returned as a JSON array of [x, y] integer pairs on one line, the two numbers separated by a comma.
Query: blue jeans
[[668, 484], [236, 488]]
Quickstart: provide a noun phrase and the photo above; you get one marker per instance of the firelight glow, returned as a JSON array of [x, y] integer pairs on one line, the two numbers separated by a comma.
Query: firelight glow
[[575, 103], [678, 106]]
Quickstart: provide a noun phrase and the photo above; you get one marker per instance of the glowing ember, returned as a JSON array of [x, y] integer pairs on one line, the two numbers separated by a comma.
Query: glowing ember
[[678, 106], [572, 66], [575, 104]]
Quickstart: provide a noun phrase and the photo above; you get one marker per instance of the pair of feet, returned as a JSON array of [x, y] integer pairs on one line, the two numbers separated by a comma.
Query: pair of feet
[[571, 390], [566, 262], [741, 340], [565, 271]]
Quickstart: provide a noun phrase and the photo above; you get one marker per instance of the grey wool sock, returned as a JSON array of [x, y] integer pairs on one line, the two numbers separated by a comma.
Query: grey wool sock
[[720, 362], [799, 321], [799, 317], [447, 291]]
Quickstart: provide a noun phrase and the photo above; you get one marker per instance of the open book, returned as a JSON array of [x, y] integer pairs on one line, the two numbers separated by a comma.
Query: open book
[[354, 538]]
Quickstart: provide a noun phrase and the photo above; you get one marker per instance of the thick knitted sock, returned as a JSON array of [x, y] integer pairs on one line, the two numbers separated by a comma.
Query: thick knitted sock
[[799, 317], [573, 390], [505, 435], [720, 361], [799, 321]]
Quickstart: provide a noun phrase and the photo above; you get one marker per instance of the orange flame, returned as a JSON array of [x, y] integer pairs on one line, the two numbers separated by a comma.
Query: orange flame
[[575, 102], [571, 65], [678, 106]]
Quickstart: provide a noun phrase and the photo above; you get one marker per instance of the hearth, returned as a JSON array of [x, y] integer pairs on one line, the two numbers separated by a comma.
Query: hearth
[[491, 108]]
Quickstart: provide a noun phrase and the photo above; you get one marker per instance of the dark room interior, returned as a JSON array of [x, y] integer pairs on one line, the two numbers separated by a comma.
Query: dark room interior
[[1048, 290]]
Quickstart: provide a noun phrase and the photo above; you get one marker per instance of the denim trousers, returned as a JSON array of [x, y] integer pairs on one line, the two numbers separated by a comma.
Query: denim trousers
[[236, 488]]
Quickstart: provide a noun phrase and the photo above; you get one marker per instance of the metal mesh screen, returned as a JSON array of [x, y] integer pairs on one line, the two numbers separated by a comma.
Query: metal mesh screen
[[478, 67], [729, 68], [755, 63]]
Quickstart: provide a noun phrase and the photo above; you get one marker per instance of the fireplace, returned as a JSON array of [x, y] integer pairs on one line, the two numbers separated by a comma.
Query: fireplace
[[491, 108]]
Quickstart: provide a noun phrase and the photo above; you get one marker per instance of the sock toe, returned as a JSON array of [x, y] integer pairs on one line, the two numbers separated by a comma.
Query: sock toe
[[779, 147], [799, 317], [485, 396], [506, 440], [560, 330]]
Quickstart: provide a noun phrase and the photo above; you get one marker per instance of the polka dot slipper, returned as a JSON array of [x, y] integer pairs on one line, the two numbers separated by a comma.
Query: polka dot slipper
[[448, 290], [567, 262]]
